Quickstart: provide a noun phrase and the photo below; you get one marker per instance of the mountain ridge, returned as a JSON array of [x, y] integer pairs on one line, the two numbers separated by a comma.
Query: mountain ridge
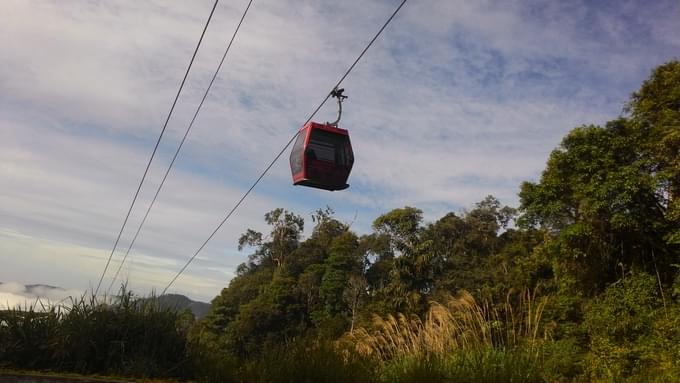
[[176, 302]]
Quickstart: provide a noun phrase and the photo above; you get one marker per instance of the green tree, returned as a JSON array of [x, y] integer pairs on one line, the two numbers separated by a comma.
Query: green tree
[[285, 235], [598, 197], [655, 112], [401, 229], [461, 247]]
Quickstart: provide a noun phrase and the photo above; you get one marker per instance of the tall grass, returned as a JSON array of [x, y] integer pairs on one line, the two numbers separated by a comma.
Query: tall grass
[[460, 339], [479, 365], [458, 323], [28, 335], [125, 335]]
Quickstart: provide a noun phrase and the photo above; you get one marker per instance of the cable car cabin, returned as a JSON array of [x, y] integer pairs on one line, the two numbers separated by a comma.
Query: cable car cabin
[[321, 157]]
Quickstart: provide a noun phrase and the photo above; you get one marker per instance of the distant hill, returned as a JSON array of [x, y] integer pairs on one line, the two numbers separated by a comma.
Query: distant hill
[[180, 302], [172, 301], [31, 289]]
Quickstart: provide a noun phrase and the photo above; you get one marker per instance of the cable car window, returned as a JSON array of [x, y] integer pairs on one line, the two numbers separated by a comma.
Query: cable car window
[[296, 153], [329, 147], [321, 151], [349, 157]]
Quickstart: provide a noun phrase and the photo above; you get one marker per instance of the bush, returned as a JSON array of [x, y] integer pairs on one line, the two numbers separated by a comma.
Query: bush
[[132, 336], [309, 362], [29, 338], [478, 365], [631, 333]]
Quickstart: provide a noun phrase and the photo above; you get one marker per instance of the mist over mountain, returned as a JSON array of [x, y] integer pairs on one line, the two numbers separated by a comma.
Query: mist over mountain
[[13, 294]]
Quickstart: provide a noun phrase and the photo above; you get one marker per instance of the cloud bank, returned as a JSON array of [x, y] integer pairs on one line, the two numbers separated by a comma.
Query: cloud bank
[[456, 100], [17, 295]]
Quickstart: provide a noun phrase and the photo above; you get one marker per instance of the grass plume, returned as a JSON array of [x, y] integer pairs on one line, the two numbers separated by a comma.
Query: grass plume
[[456, 323]]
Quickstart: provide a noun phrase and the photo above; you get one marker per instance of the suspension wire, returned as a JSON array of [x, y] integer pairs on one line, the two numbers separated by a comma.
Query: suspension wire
[[186, 133], [158, 141], [276, 158]]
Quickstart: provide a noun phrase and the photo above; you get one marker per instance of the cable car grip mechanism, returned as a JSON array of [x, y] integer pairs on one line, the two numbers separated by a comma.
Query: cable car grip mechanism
[[337, 93]]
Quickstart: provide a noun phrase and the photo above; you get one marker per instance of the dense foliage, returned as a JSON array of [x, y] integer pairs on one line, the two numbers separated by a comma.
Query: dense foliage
[[580, 282], [130, 337]]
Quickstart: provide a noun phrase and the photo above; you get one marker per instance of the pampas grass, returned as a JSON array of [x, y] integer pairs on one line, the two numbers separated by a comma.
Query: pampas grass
[[457, 323]]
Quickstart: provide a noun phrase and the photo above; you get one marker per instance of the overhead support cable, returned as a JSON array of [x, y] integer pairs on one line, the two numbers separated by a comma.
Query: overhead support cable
[[158, 141], [276, 158], [179, 148]]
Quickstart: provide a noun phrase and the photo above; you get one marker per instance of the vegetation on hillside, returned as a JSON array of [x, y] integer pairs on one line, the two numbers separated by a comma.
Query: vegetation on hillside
[[579, 283]]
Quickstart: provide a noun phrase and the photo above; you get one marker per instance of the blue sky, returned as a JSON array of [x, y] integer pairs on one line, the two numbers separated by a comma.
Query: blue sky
[[456, 100]]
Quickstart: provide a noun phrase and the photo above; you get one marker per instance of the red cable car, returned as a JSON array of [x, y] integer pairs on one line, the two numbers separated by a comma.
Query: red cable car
[[322, 157]]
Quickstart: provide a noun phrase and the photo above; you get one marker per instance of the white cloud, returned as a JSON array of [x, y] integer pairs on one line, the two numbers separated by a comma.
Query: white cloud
[[455, 101], [73, 191], [13, 295]]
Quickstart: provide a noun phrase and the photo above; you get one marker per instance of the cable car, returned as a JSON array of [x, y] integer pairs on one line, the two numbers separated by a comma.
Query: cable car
[[322, 155]]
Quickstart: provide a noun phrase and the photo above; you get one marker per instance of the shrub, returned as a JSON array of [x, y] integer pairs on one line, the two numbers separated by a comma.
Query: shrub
[[309, 362], [130, 336], [631, 333]]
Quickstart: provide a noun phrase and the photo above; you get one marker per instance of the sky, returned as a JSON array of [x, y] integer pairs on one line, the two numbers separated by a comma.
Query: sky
[[455, 101]]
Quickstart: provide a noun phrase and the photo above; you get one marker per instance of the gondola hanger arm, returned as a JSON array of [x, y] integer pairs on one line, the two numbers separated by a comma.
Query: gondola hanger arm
[[338, 94]]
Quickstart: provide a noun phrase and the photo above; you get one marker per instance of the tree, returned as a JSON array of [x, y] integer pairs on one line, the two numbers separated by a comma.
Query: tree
[[274, 316], [458, 247], [353, 296], [402, 226], [598, 197], [400, 230], [655, 113], [342, 263], [285, 235]]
